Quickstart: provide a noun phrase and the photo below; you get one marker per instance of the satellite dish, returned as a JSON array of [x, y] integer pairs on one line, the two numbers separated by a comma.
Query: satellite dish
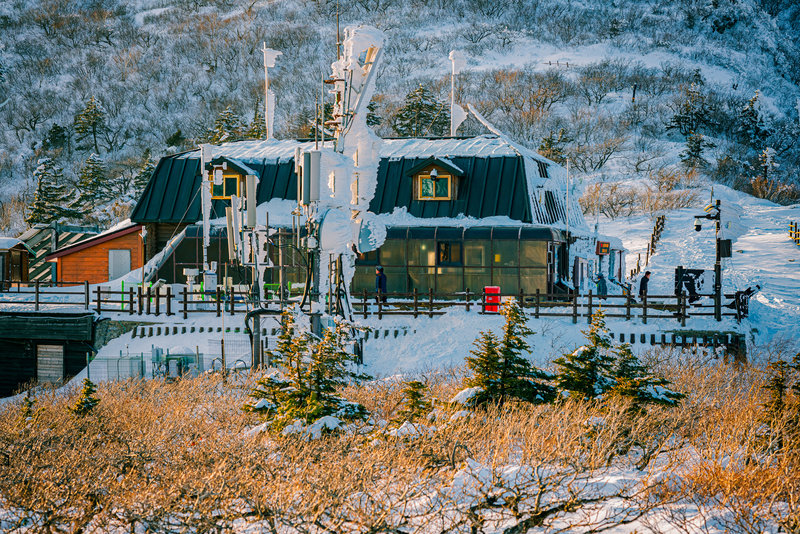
[[371, 233]]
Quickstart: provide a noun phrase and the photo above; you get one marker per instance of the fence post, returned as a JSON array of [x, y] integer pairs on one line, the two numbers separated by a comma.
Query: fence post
[[575, 306], [538, 302], [148, 299], [86, 294], [36, 295], [158, 300], [684, 310], [627, 306], [98, 299], [521, 299], [644, 309], [231, 297], [466, 297], [219, 298], [483, 300], [379, 302], [185, 303], [130, 300], [364, 303], [589, 314], [169, 301], [430, 302], [139, 298], [718, 304], [416, 303]]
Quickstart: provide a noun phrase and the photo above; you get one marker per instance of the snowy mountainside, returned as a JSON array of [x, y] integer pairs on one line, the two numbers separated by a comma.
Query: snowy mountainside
[[166, 71]]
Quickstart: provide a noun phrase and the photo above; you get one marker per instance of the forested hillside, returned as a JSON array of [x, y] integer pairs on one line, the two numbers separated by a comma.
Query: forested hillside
[[93, 92]]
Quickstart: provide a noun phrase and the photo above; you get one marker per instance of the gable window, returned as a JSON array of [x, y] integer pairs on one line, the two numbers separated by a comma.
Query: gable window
[[434, 186], [228, 187]]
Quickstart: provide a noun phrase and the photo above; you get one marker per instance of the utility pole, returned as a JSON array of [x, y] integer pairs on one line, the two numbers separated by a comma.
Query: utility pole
[[717, 269]]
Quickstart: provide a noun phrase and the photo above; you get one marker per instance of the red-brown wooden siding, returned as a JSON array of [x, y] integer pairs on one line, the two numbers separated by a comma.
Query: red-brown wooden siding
[[91, 263]]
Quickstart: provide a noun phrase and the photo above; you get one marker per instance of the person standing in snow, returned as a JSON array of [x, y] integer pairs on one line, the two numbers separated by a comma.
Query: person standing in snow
[[380, 283], [643, 285], [602, 286]]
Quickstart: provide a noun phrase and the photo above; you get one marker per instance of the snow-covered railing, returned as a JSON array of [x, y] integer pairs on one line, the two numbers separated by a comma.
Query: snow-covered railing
[[794, 232]]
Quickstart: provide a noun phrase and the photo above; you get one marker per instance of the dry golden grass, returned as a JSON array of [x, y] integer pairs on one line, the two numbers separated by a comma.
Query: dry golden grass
[[176, 457]]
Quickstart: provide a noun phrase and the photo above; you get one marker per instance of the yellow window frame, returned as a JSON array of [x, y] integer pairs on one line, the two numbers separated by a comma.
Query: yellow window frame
[[421, 177], [226, 194]]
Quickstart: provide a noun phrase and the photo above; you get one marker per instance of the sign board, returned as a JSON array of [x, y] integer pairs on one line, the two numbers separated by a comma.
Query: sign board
[[603, 247]]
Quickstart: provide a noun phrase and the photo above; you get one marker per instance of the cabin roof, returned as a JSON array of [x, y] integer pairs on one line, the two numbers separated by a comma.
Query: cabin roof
[[92, 241], [493, 183]]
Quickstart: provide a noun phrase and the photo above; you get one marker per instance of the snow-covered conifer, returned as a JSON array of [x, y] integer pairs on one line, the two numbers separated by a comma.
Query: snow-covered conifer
[[632, 380], [145, 172], [586, 371], [92, 186], [228, 127], [500, 368], [90, 121], [415, 406], [422, 114], [751, 127], [51, 197]]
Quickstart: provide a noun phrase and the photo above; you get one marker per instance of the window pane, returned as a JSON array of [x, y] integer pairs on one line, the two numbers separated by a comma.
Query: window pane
[[476, 253], [426, 188], [393, 252], [448, 253], [505, 253], [421, 252], [476, 279], [533, 253], [533, 279], [367, 258], [448, 279], [396, 279], [422, 278], [230, 186], [363, 278], [507, 279], [443, 187], [217, 190]]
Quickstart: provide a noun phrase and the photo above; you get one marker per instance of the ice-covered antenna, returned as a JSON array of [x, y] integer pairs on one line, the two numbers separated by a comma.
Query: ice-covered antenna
[[457, 113], [270, 56]]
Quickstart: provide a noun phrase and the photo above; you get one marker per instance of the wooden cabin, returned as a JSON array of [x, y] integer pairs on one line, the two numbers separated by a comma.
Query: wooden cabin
[[101, 258], [14, 255]]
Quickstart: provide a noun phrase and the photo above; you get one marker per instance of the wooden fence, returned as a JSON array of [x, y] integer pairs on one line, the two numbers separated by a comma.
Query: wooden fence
[[178, 300], [538, 304], [794, 232], [655, 237]]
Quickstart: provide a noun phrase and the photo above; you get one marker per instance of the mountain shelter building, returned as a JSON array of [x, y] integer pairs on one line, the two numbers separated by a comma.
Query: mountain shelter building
[[461, 213]]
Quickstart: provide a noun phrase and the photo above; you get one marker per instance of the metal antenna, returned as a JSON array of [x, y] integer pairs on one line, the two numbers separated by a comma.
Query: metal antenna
[[316, 128], [338, 41]]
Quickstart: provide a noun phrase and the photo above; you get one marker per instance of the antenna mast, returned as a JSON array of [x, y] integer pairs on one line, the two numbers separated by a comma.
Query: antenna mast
[[266, 92]]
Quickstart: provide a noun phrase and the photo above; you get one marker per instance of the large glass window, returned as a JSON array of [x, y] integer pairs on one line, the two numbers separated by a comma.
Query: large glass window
[[421, 252], [533, 253], [476, 253], [505, 253], [367, 258], [449, 279], [448, 253], [507, 279], [422, 278], [475, 279], [393, 252], [533, 279]]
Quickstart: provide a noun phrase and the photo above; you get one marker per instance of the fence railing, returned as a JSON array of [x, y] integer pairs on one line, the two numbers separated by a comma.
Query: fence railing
[[655, 236], [179, 300], [794, 232]]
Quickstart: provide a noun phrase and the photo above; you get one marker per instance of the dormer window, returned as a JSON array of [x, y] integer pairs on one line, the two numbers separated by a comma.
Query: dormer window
[[226, 185], [435, 179], [435, 186]]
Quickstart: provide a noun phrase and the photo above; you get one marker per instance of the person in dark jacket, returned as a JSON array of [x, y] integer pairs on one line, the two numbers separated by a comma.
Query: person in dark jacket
[[380, 283], [643, 284]]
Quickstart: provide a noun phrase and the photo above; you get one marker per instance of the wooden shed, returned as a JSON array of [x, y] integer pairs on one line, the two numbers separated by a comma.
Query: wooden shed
[[13, 261], [105, 257]]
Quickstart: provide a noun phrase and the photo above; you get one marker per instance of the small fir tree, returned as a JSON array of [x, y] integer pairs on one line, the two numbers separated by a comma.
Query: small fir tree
[[228, 127], [692, 113], [176, 139], [415, 405], [692, 155], [257, 128], [554, 145], [86, 400], [28, 411], [90, 122], [586, 371], [92, 186], [145, 172], [51, 197], [751, 127], [310, 373], [499, 367], [421, 115], [633, 381]]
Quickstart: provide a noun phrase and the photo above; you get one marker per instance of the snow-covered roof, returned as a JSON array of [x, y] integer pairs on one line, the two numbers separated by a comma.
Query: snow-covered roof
[[279, 149], [8, 242]]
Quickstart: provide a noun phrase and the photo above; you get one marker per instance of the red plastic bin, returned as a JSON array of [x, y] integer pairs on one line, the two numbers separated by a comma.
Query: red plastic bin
[[492, 298]]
